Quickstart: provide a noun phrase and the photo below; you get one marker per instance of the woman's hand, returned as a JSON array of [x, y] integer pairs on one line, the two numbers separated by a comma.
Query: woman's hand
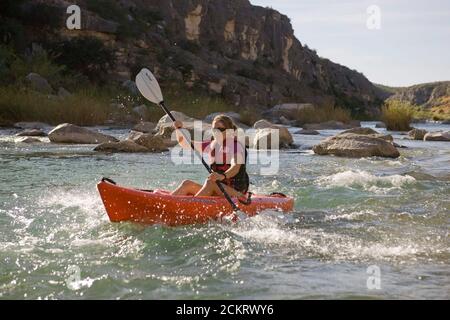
[[178, 124], [215, 176]]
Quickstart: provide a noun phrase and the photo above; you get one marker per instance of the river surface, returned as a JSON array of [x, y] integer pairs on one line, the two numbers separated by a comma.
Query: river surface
[[367, 228]]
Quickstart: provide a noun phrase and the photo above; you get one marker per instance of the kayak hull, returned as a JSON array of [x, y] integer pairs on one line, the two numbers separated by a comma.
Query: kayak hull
[[160, 207]]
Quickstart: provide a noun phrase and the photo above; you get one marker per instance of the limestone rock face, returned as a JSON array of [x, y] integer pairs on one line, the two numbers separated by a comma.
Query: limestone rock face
[[244, 53], [427, 95]]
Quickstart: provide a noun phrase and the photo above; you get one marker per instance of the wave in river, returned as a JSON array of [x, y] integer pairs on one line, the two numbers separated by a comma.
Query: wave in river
[[366, 180]]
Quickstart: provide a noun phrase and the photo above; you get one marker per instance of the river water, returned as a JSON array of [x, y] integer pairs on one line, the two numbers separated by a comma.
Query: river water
[[362, 228]]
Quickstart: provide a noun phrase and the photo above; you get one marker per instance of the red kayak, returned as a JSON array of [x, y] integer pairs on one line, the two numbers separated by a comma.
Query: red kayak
[[160, 207]]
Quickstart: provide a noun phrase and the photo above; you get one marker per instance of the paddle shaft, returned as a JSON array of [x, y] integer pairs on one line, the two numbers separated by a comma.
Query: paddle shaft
[[227, 196]]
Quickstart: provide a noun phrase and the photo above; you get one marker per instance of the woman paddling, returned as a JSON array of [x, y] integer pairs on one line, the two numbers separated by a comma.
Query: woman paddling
[[227, 156]]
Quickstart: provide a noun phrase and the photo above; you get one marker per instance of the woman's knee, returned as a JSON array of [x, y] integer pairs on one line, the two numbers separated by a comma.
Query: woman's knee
[[187, 183]]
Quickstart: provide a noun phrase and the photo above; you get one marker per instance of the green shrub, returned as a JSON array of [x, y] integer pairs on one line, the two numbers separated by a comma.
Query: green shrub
[[190, 46], [397, 115], [151, 16], [7, 57], [42, 15], [86, 55], [12, 33], [38, 61], [11, 8]]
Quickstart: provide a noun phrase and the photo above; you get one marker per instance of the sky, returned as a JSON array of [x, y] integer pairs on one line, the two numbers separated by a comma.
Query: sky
[[392, 42]]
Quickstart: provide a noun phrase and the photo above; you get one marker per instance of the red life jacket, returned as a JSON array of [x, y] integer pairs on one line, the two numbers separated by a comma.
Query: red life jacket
[[240, 181]]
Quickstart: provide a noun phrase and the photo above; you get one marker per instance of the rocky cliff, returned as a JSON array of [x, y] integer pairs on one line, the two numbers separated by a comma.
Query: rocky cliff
[[246, 54], [427, 95], [432, 98]]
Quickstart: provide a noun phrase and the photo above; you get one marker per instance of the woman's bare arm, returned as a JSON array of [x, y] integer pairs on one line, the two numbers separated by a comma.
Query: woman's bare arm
[[182, 141]]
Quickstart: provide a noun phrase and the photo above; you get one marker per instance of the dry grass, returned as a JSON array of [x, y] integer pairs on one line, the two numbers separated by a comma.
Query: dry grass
[[82, 108], [192, 102], [249, 117], [93, 106], [397, 115]]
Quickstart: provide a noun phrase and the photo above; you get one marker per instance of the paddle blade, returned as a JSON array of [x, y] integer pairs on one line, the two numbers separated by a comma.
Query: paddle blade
[[148, 86]]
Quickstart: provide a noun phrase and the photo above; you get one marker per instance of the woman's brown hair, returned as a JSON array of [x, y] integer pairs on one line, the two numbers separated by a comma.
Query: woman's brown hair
[[226, 121]]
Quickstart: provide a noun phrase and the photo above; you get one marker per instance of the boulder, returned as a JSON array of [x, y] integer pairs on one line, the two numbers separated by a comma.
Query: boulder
[[360, 131], [356, 146], [144, 127], [31, 133], [369, 131], [69, 133], [307, 132], [38, 83], [262, 124], [380, 125], [446, 122], [63, 93], [287, 110], [27, 140], [165, 120], [417, 134], [196, 129], [133, 135], [31, 125], [286, 122], [286, 138], [151, 142], [386, 137], [141, 111], [330, 125], [263, 138], [437, 136], [131, 87], [127, 146], [236, 117], [164, 128]]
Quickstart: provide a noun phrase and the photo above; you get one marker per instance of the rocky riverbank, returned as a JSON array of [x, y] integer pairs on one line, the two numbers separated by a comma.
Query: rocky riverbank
[[159, 137]]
